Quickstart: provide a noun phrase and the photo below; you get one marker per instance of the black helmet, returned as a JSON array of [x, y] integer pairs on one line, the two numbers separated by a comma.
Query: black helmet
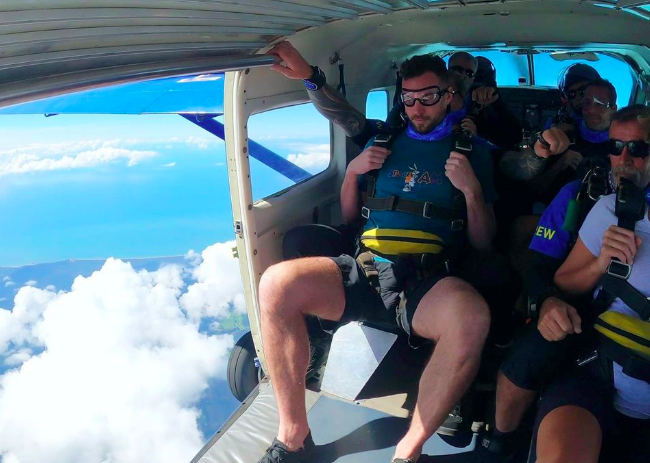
[[578, 72], [486, 74]]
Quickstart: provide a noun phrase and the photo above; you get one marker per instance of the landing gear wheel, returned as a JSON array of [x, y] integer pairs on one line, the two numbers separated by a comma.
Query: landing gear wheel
[[243, 374]]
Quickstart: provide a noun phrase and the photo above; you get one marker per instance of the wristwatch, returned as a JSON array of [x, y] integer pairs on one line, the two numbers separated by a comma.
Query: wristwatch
[[317, 79]]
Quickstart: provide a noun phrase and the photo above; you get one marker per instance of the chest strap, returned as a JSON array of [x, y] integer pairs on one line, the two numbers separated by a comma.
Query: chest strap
[[455, 214], [630, 208]]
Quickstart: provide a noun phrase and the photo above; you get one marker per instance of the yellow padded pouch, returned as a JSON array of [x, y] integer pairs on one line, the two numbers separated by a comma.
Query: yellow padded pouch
[[627, 331]]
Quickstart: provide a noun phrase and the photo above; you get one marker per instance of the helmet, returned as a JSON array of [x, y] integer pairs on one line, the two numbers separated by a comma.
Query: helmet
[[486, 73], [578, 72]]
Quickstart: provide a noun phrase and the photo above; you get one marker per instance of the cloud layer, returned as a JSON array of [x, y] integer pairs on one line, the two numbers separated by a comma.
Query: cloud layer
[[91, 153], [313, 158], [112, 370]]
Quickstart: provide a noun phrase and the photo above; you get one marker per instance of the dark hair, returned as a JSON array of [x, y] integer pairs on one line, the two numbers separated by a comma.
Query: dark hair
[[605, 84], [420, 64], [631, 113], [464, 55]]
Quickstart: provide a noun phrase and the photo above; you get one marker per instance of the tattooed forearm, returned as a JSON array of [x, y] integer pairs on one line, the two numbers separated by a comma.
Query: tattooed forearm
[[521, 165], [331, 104]]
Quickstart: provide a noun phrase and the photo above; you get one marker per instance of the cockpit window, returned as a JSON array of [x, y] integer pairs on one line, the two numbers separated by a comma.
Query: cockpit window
[[616, 71]]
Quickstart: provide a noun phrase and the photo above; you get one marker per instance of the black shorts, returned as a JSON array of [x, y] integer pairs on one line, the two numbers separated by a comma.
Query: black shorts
[[364, 303], [624, 438], [532, 361]]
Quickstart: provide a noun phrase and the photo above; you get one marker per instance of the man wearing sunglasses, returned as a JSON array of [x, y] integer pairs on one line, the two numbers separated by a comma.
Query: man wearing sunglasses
[[567, 146], [494, 121], [422, 167], [572, 82], [544, 350]]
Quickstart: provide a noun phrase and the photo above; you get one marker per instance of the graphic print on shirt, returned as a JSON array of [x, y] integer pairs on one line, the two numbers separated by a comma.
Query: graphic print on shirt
[[411, 177]]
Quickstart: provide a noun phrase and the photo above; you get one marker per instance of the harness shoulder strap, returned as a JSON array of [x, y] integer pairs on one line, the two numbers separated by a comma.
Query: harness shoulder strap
[[630, 208], [385, 140]]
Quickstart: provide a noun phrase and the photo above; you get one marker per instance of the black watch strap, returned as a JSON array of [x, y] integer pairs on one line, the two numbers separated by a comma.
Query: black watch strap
[[317, 79]]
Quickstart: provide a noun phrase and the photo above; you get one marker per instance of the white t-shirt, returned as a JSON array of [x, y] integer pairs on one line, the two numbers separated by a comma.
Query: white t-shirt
[[632, 396]]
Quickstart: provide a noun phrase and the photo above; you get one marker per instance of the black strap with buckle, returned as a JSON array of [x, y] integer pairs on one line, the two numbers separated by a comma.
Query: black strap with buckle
[[630, 208]]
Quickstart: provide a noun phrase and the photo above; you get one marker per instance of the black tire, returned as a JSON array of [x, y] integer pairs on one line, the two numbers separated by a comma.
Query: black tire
[[242, 373]]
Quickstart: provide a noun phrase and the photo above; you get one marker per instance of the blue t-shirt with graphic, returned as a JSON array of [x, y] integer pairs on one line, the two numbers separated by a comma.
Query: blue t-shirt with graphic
[[632, 395], [550, 238], [415, 169]]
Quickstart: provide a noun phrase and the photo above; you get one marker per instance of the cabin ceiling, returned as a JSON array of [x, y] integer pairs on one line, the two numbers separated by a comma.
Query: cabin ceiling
[[50, 47]]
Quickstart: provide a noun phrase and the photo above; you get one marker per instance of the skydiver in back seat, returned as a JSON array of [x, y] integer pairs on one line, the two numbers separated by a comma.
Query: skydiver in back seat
[[570, 148], [572, 140], [546, 347], [494, 121]]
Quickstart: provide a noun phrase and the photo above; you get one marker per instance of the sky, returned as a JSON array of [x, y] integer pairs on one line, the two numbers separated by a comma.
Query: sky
[[113, 367]]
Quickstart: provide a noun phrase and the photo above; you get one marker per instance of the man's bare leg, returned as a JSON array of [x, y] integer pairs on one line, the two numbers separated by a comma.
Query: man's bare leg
[[511, 404], [457, 318], [569, 433], [288, 291]]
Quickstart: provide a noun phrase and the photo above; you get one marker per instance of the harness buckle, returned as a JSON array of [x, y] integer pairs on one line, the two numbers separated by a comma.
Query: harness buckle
[[457, 225], [619, 269], [365, 212], [426, 210]]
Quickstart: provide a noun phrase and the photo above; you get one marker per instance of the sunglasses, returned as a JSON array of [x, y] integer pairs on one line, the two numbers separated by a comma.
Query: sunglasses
[[427, 99], [636, 148], [461, 70], [578, 92], [595, 102]]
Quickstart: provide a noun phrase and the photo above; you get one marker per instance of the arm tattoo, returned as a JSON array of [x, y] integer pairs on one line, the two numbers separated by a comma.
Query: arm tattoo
[[336, 109], [521, 165]]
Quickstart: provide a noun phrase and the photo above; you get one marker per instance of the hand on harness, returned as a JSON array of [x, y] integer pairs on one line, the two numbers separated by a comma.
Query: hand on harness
[[618, 243], [551, 142], [459, 171], [557, 319], [469, 125], [371, 158]]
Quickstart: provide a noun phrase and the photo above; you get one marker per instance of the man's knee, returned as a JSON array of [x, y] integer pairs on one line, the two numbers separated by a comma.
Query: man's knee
[[274, 284], [469, 314], [453, 308], [310, 286]]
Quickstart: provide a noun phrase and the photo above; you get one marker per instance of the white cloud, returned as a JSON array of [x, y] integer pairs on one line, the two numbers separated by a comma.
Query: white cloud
[[218, 285], [31, 283], [24, 163], [9, 283], [171, 164], [314, 158], [121, 364], [6, 278], [50, 288]]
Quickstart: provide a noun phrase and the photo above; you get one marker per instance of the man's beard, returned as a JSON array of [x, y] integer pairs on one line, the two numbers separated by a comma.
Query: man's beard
[[640, 178], [425, 124]]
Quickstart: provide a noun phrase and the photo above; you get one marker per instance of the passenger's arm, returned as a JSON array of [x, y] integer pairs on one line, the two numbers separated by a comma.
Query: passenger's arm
[[581, 271], [481, 224], [371, 158], [336, 109], [329, 102]]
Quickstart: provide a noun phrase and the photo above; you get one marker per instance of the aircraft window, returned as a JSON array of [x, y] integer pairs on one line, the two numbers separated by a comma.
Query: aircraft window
[[287, 146], [617, 72], [377, 105]]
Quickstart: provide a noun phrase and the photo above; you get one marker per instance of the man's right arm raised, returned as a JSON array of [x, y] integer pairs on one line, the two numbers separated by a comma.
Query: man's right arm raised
[[328, 101]]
